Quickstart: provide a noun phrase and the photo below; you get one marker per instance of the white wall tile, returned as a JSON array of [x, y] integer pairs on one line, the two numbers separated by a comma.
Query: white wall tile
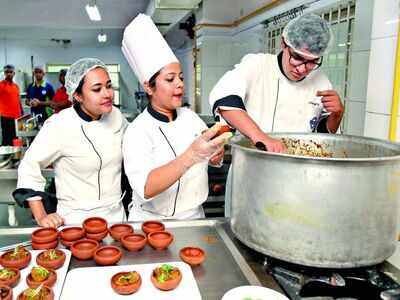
[[359, 75], [355, 118], [385, 11], [209, 77], [363, 26], [377, 125], [381, 74]]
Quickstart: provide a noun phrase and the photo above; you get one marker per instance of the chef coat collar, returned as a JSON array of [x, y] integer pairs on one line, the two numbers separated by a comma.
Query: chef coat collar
[[159, 116], [280, 58], [84, 116]]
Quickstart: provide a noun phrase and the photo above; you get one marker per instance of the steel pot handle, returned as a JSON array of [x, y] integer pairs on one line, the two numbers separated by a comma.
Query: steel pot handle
[[261, 146]]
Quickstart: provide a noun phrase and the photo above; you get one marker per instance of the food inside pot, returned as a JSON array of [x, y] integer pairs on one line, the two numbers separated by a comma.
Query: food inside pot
[[39, 293], [39, 274], [306, 148], [50, 255], [127, 278], [6, 274], [18, 253], [166, 272]]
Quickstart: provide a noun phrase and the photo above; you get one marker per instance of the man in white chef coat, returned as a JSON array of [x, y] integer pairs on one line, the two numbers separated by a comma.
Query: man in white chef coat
[[284, 92]]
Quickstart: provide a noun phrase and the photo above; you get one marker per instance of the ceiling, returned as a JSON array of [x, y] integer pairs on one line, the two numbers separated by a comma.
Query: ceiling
[[42, 20]]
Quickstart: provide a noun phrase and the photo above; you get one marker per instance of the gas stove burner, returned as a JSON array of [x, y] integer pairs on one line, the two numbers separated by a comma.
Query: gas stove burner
[[308, 283]]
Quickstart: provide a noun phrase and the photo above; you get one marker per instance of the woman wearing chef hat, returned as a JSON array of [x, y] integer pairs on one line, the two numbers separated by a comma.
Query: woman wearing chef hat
[[165, 152], [83, 143]]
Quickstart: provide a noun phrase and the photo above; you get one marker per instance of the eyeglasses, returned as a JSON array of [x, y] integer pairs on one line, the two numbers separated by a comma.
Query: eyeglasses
[[296, 61]]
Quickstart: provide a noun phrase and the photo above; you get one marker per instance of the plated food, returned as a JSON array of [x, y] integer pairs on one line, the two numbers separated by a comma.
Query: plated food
[[17, 258], [41, 276], [40, 293], [5, 292], [9, 277], [126, 283], [166, 277], [51, 259]]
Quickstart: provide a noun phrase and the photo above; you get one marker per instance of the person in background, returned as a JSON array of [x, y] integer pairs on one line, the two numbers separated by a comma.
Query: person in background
[[39, 95], [10, 106], [267, 93], [61, 99], [84, 145], [165, 151], [284, 92]]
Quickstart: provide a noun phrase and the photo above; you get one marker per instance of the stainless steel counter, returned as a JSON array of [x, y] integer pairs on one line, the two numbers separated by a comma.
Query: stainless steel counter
[[224, 267]]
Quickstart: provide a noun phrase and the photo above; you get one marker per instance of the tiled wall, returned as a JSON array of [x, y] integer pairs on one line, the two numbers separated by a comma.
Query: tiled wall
[[381, 69]]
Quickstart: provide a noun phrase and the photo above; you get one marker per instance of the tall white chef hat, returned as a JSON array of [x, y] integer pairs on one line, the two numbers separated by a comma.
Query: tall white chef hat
[[145, 49]]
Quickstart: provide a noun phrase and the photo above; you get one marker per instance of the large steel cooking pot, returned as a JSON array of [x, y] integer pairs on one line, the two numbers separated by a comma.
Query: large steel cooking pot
[[335, 212]]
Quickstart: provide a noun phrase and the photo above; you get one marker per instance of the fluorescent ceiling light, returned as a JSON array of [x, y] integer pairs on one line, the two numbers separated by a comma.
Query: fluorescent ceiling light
[[102, 37], [93, 12]]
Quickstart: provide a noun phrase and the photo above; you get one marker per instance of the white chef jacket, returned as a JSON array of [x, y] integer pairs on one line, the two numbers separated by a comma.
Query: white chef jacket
[[87, 160], [274, 102], [152, 141]]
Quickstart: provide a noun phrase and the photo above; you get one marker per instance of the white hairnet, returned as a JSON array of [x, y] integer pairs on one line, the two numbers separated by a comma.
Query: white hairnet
[[308, 32], [78, 70]]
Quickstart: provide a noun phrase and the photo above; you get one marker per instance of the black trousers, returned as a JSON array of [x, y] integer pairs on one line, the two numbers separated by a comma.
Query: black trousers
[[7, 131]]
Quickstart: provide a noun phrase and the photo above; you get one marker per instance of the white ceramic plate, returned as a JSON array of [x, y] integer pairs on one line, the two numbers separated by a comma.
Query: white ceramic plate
[[253, 292]]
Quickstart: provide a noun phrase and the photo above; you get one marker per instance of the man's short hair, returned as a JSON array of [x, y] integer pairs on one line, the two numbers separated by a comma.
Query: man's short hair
[[63, 72], [8, 67], [41, 68]]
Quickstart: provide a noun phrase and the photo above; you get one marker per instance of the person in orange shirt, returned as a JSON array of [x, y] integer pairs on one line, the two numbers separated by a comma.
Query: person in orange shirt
[[60, 99], [10, 105]]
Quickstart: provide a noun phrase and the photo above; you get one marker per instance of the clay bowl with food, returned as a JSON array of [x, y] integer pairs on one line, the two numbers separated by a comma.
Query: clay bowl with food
[[160, 240], [41, 276], [5, 292], [97, 236], [51, 259], [39, 293], [45, 246], [152, 226], [84, 249], [95, 225], [9, 277], [107, 255], [166, 277], [17, 258], [72, 233], [118, 230], [133, 241], [193, 256], [44, 235], [126, 283]]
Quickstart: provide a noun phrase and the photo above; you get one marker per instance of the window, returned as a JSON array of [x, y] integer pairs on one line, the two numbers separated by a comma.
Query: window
[[113, 70]]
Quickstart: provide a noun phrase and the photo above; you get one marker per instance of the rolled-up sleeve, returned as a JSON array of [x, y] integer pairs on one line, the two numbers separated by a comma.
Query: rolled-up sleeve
[[230, 91], [137, 149]]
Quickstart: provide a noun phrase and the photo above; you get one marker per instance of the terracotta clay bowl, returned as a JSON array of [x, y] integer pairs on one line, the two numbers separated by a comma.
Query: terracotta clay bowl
[[133, 241], [84, 249], [160, 240], [107, 255], [72, 233], [192, 255], [128, 288], [19, 263], [13, 281], [44, 235], [68, 244], [152, 226], [46, 260], [166, 285], [118, 230], [95, 225], [49, 282], [50, 294], [97, 236], [5, 292], [44, 246]]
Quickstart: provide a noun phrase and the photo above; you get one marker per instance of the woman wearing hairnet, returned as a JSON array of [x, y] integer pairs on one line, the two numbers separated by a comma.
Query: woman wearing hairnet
[[281, 93], [165, 153], [284, 92], [83, 144]]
